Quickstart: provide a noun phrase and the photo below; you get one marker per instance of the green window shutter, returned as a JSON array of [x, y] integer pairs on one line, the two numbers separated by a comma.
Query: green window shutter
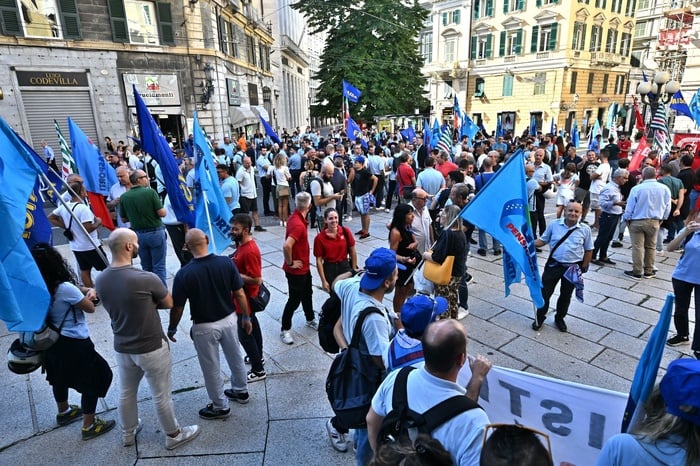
[[505, 6], [533, 44], [10, 22], [221, 23], [69, 19], [475, 13], [604, 4], [634, 7], [474, 45], [165, 24], [552, 45], [117, 18], [456, 16], [583, 35], [502, 45], [521, 5], [489, 8], [489, 43], [538, 3], [519, 42], [444, 19]]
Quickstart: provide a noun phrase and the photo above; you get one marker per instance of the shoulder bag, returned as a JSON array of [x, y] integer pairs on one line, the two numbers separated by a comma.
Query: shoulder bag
[[46, 337]]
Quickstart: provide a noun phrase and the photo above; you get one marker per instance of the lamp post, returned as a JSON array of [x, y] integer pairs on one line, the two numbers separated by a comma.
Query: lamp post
[[208, 88], [658, 92]]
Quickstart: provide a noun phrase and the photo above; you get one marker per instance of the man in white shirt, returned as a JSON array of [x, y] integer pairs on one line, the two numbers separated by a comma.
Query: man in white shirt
[[249, 191]]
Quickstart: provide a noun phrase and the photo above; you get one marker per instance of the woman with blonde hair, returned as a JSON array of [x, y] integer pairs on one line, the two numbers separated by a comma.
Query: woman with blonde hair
[[281, 177]]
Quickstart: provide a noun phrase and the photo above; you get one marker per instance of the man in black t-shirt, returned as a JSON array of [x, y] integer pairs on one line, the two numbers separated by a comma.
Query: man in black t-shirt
[[571, 157], [613, 154], [585, 169], [363, 186]]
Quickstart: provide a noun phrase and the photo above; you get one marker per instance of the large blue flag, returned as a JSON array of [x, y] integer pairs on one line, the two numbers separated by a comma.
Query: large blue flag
[[507, 190], [37, 228], [409, 134], [679, 105], [594, 132], [695, 107], [350, 92], [23, 294], [355, 132], [468, 128], [98, 175], [427, 135], [213, 215], [154, 143], [437, 132], [648, 367], [269, 131], [575, 137]]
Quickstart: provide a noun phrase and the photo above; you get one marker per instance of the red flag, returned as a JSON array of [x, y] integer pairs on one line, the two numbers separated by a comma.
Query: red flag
[[638, 117], [99, 208], [640, 154]]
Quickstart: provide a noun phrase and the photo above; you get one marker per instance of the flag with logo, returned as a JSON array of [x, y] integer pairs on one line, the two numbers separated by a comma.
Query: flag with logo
[[408, 134], [640, 154], [98, 176], [212, 212], [350, 92], [68, 164], [507, 191], [154, 143], [679, 104], [694, 107], [23, 294], [355, 132], [469, 128]]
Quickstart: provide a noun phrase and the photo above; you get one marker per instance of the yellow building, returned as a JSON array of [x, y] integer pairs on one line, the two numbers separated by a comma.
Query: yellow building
[[548, 60]]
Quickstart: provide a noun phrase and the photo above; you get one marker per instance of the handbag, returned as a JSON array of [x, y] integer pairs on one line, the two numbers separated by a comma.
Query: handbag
[[440, 274], [353, 379], [260, 302], [407, 192], [46, 337], [282, 191]]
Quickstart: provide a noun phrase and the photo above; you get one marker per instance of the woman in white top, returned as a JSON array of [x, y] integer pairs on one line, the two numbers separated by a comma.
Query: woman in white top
[[280, 178]]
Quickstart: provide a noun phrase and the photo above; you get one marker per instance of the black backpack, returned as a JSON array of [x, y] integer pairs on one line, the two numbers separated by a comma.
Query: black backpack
[[401, 418], [353, 379], [330, 313]]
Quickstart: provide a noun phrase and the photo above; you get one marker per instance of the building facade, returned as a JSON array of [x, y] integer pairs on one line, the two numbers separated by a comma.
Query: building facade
[[81, 59], [548, 63]]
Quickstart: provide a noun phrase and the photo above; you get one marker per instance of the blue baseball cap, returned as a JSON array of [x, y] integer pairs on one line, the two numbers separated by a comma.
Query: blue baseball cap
[[378, 267], [680, 389], [420, 310], [360, 159]]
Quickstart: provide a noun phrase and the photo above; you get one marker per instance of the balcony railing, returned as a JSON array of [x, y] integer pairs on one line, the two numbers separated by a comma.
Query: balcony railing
[[606, 59], [509, 59], [542, 55]]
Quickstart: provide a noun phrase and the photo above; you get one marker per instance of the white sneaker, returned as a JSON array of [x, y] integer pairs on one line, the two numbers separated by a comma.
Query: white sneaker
[[388, 211], [129, 438], [347, 218], [312, 323], [186, 434], [286, 337], [337, 439], [462, 313]]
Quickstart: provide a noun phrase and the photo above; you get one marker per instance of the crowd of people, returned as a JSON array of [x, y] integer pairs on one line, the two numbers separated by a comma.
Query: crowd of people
[[308, 182]]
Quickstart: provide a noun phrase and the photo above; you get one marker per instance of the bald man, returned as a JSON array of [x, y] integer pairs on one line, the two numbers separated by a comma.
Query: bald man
[[208, 281], [422, 222], [122, 185], [132, 298], [142, 207]]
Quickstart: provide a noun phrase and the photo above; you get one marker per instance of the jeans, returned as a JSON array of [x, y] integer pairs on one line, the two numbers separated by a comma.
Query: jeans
[[152, 251], [207, 338], [606, 232], [463, 291], [550, 277], [643, 235], [683, 290], [266, 184], [299, 292], [390, 192], [483, 242], [252, 344], [541, 222], [364, 451], [157, 367], [674, 225]]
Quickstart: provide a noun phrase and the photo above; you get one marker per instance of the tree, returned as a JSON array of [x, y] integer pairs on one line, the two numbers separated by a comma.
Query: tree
[[372, 44]]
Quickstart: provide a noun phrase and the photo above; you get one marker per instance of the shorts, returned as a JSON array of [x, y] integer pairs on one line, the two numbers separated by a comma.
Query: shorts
[[583, 196], [88, 260], [363, 203], [595, 201], [248, 205]]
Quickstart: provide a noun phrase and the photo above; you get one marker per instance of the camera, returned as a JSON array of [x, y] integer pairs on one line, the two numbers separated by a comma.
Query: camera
[[68, 234]]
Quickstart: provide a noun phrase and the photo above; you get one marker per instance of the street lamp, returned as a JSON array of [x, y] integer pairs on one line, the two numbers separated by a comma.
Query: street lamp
[[658, 92]]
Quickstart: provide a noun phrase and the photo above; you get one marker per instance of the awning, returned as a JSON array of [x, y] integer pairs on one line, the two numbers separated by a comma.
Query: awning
[[261, 112], [242, 116]]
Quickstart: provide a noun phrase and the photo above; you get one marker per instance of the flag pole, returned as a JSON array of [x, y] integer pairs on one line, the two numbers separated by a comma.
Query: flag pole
[[206, 210]]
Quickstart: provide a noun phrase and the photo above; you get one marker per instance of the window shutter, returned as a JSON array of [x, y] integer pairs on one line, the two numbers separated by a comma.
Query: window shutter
[[533, 44], [505, 6], [521, 5], [474, 45], [489, 8], [221, 23], [583, 36], [553, 37], [502, 44], [10, 22], [604, 4], [69, 19], [475, 13], [455, 16], [165, 24], [538, 3], [519, 42], [444, 19], [117, 18], [634, 7], [489, 43]]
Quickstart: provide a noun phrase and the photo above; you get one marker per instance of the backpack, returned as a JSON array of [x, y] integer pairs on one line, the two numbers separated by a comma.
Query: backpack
[[352, 380], [330, 313], [395, 426]]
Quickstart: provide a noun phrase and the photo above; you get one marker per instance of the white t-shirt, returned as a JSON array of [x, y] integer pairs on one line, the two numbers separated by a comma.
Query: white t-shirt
[[83, 213], [604, 171], [315, 188], [246, 181], [115, 192]]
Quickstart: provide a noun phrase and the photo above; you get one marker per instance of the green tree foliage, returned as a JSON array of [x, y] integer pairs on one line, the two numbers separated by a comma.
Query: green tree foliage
[[372, 44]]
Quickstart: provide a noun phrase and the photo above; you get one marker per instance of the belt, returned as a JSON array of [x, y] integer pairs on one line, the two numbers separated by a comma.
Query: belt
[[148, 230]]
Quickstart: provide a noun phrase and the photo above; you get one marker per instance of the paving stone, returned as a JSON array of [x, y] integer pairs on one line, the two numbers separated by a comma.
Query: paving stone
[[311, 433]]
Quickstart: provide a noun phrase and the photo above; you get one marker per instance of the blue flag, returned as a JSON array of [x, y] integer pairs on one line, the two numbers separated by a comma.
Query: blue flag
[[499, 126], [482, 128], [594, 132], [468, 128], [98, 175], [23, 294], [678, 104], [427, 135], [648, 367], [154, 143], [409, 134], [37, 228], [507, 190], [269, 131], [533, 125], [437, 132], [350, 92], [695, 107], [354, 133], [575, 137], [213, 215]]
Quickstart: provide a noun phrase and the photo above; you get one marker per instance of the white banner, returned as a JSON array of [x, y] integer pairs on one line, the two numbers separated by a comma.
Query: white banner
[[578, 418]]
